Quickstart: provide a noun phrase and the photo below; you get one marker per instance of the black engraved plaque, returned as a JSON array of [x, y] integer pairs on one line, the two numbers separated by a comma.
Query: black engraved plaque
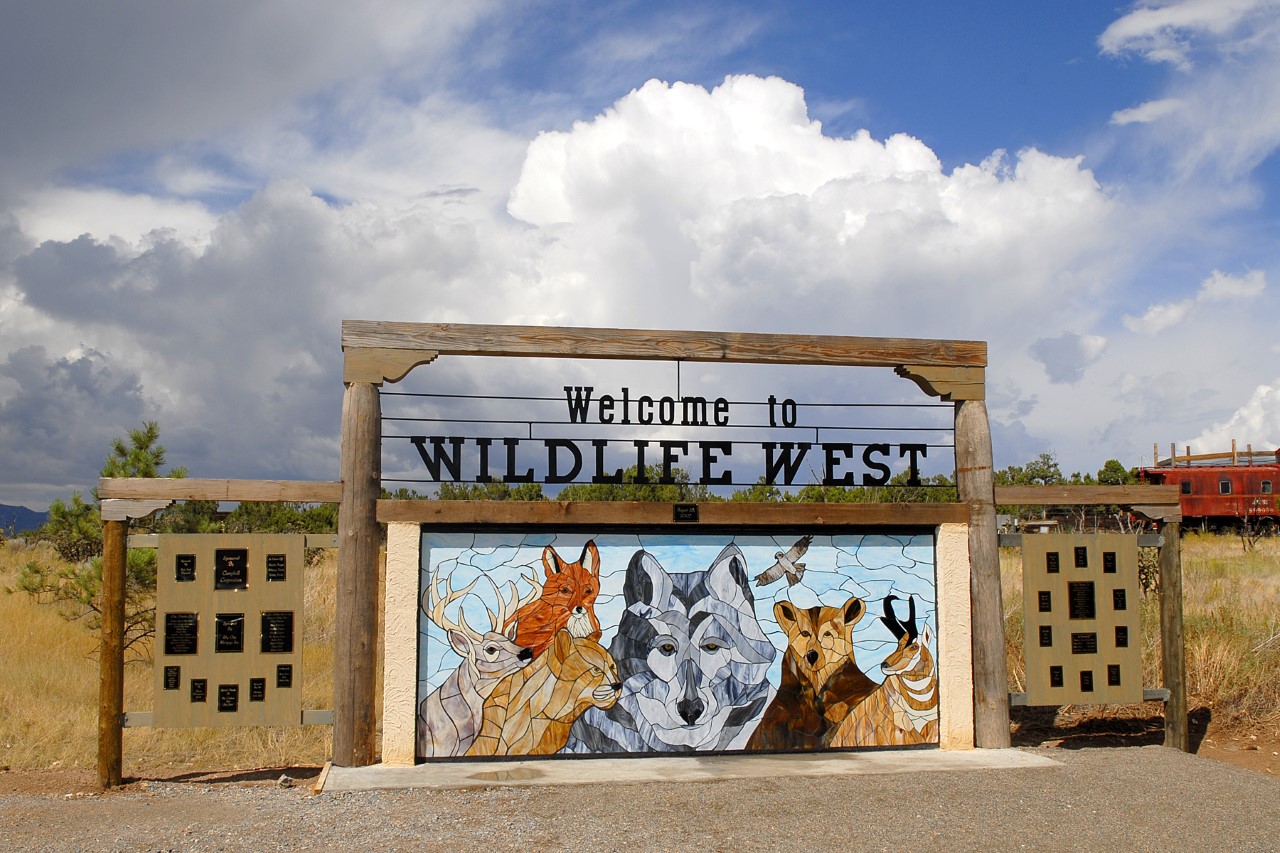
[[1086, 681], [1122, 637], [1082, 557], [1080, 602], [228, 635], [1046, 636], [257, 689], [231, 568], [276, 568], [181, 633], [1051, 562], [1109, 562], [199, 690], [172, 677], [1084, 644], [277, 632], [1118, 599], [284, 675], [1046, 601], [1055, 676], [1113, 675], [184, 568], [228, 698]]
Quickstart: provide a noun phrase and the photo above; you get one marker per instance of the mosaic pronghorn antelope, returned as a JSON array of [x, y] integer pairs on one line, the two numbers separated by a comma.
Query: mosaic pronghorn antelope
[[449, 719], [531, 711], [566, 600], [903, 710]]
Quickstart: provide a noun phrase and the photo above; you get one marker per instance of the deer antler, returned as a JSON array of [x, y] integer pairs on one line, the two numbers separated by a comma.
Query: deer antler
[[436, 606], [509, 606]]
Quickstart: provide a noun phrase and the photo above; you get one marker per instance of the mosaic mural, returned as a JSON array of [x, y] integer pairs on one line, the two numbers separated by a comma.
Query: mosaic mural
[[538, 643]]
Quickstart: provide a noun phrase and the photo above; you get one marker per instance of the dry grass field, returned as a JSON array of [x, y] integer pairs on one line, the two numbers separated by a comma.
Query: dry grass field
[[49, 673]]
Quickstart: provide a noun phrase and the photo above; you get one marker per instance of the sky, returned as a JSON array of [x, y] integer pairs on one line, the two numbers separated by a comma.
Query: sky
[[194, 196]]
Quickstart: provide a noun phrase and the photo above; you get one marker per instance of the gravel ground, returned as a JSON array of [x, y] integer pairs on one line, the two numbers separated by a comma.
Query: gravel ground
[[1148, 798]]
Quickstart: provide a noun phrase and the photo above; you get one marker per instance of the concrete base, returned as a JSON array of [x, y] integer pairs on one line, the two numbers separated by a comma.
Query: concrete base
[[623, 771]]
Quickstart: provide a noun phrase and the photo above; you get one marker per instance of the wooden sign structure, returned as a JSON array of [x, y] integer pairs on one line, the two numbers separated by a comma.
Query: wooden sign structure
[[379, 352], [1083, 635], [228, 630]]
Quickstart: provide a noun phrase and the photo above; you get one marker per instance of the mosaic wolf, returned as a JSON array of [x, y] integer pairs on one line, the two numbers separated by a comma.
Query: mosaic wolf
[[693, 661]]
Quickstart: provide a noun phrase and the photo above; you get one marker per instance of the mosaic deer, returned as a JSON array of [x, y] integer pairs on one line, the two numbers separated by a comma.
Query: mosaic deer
[[903, 710], [567, 600], [449, 719]]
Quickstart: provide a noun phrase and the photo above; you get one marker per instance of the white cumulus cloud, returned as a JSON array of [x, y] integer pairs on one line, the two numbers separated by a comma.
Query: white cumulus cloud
[[1218, 287], [1257, 422]]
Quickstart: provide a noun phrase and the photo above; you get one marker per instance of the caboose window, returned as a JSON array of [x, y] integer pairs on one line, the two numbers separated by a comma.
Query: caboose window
[[1186, 487], [1224, 487], [1266, 487]]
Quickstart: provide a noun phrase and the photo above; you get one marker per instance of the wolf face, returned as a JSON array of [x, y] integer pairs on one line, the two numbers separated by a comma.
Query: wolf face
[[692, 658]]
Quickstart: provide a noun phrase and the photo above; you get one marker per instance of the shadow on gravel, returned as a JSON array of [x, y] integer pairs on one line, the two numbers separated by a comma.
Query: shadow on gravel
[[260, 775], [1073, 727]]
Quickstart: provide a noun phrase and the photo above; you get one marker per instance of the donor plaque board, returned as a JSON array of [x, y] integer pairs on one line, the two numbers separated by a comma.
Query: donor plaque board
[[1081, 626], [228, 630]]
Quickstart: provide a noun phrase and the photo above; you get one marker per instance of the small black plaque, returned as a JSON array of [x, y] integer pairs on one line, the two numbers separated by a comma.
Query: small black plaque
[[277, 632], [1113, 675], [228, 635], [199, 690], [276, 567], [181, 633], [172, 677], [184, 568], [228, 698], [1051, 562], [284, 675], [1080, 601], [1046, 601], [684, 512], [231, 568], [1084, 644], [257, 689], [1082, 557], [1122, 637], [1046, 636], [1119, 600], [1109, 562], [1055, 676], [1086, 681]]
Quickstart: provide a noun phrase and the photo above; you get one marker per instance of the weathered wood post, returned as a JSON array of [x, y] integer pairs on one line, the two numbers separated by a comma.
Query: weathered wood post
[[115, 538], [356, 629], [975, 482], [1171, 641]]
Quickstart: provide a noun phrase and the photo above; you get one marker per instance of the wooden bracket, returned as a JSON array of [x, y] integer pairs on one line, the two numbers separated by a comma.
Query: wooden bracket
[[382, 364], [121, 509], [947, 383], [1160, 512]]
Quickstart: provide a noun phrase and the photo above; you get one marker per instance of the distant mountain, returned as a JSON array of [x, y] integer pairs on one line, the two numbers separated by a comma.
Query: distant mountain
[[19, 519]]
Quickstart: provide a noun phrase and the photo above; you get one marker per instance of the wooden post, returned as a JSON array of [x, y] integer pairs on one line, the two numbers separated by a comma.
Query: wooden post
[[356, 631], [115, 537], [1171, 643], [975, 482]]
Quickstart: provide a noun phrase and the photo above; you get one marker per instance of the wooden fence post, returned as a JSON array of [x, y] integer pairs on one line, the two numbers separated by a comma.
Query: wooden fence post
[[356, 629], [115, 538], [975, 482], [1171, 643]]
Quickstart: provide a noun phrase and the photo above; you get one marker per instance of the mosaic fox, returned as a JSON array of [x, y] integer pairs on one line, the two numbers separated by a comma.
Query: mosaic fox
[[821, 680], [693, 661], [567, 601], [904, 709], [531, 710]]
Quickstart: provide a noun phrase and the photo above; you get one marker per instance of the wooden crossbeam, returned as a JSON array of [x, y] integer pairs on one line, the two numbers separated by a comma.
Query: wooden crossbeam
[[194, 489]]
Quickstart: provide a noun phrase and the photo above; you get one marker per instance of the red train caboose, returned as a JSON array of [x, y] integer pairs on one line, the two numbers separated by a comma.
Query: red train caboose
[[1222, 491]]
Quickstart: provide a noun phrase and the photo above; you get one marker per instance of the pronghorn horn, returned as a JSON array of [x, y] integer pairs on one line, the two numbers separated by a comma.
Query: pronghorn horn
[[890, 620], [912, 631]]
